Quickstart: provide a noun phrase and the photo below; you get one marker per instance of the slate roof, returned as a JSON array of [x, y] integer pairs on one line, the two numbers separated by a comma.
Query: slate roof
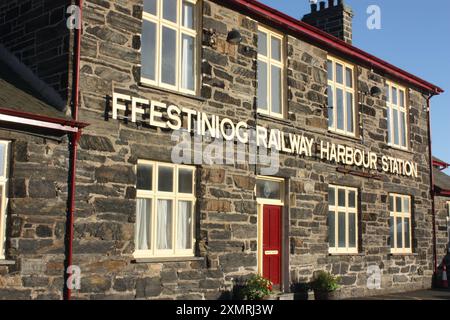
[[16, 94], [441, 180]]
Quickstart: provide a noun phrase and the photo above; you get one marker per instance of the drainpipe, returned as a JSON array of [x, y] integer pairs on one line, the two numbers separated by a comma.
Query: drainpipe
[[433, 212], [74, 147]]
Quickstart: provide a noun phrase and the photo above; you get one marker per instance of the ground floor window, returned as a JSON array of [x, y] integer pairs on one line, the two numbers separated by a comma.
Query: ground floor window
[[342, 220], [400, 223], [164, 210], [4, 175]]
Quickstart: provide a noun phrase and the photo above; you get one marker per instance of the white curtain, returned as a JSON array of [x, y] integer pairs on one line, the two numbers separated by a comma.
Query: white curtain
[[184, 225], [143, 231], [164, 227]]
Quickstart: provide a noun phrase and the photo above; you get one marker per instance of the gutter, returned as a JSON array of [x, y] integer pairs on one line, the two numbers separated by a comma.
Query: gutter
[[73, 154], [287, 22]]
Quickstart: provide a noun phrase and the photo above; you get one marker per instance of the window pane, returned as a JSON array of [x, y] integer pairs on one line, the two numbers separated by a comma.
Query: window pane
[[391, 203], [406, 208], [403, 129], [331, 196], [150, 6], [399, 232], [262, 43], [168, 56], [144, 177], [341, 230], [388, 95], [389, 125], [165, 179], [398, 204], [349, 77], [330, 107], [396, 128], [185, 180], [339, 73], [349, 112], [276, 49], [340, 108], [164, 227], [188, 15], [341, 197], [402, 98], [143, 224], [391, 232], [170, 10], [2, 159], [394, 96], [268, 189], [331, 229], [352, 199], [276, 89], [262, 85], [330, 70], [188, 63], [407, 233], [149, 50], [352, 230], [184, 225]]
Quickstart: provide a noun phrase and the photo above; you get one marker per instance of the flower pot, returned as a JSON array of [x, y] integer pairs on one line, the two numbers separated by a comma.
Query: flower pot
[[325, 295]]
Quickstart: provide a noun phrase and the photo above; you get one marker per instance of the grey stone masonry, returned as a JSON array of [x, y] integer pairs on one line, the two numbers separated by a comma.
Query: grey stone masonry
[[226, 214], [333, 17]]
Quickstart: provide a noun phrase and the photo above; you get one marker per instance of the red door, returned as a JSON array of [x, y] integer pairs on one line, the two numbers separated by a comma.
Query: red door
[[272, 244]]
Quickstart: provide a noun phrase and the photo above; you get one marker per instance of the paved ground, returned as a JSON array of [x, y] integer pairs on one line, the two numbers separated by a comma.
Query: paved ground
[[417, 295]]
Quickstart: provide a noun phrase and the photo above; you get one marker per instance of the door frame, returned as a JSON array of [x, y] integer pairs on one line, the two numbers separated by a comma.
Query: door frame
[[261, 202]]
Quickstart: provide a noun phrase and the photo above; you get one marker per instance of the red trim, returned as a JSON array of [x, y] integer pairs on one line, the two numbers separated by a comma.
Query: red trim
[[444, 193], [441, 164], [26, 115], [286, 22]]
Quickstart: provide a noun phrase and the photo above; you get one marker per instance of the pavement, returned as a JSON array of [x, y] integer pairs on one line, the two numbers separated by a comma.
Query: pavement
[[433, 294]]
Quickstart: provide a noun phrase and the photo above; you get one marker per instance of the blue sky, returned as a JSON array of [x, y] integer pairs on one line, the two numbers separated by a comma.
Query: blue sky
[[414, 36]]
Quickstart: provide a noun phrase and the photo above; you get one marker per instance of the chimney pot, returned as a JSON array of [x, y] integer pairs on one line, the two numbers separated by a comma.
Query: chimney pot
[[340, 2], [322, 5], [313, 7], [330, 3]]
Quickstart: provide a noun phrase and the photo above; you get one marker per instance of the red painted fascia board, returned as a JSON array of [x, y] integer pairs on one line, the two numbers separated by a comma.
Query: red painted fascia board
[[26, 115], [444, 193], [287, 22], [440, 164]]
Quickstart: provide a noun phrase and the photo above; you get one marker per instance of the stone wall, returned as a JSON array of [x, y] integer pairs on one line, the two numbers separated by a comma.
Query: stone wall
[[36, 218], [442, 236], [35, 32]]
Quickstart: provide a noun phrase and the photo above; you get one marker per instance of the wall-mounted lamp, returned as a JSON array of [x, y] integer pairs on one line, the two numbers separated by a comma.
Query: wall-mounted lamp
[[375, 91], [234, 37]]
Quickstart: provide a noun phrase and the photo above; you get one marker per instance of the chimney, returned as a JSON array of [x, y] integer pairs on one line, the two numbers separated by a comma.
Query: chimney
[[335, 19]]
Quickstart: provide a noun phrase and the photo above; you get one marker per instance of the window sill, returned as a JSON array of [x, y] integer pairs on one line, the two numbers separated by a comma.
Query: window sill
[[392, 147], [7, 262], [261, 116], [403, 254], [181, 94], [347, 254], [160, 260], [334, 134]]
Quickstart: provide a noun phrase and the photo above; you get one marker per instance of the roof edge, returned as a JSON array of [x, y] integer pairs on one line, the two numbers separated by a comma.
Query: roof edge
[[287, 22]]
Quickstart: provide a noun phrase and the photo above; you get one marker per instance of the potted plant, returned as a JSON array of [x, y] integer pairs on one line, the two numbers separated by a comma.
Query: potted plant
[[258, 288], [325, 286]]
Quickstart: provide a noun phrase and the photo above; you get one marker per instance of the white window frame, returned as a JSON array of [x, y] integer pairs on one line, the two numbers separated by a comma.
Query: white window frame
[[154, 195], [272, 62], [390, 109], [395, 214], [336, 209], [180, 30], [4, 200], [335, 85]]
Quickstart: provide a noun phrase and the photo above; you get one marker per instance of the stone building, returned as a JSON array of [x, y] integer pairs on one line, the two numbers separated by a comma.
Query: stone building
[[341, 181], [442, 207]]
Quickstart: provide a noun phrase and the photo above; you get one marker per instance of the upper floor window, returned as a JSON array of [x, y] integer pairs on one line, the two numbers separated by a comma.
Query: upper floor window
[[400, 223], [164, 210], [342, 219], [341, 97], [4, 177], [169, 44], [396, 116], [270, 73]]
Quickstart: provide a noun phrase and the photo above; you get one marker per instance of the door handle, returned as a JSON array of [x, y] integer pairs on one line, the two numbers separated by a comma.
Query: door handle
[[271, 252]]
